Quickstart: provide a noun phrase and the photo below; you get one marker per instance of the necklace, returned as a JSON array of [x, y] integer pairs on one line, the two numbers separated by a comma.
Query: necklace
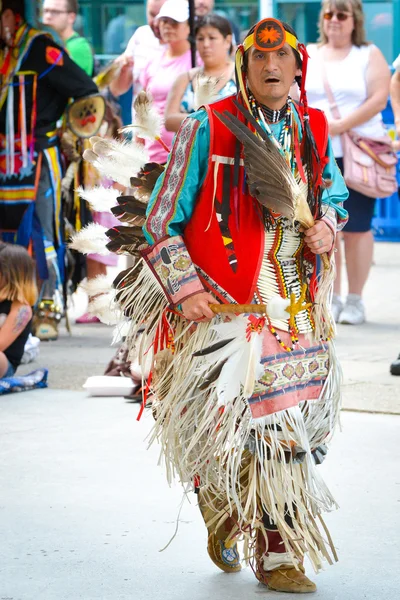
[[273, 116], [284, 143]]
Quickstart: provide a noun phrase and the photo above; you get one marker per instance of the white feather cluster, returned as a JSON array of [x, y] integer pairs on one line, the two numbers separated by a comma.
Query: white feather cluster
[[101, 284], [105, 308], [205, 90], [91, 239], [100, 198], [117, 160], [147, 120], [243, 360]]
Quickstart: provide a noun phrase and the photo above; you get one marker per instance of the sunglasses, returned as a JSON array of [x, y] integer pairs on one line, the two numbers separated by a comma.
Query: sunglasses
[[341, 16]]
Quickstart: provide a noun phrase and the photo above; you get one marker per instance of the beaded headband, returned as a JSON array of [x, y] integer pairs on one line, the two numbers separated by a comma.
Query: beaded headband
[[269, 35]]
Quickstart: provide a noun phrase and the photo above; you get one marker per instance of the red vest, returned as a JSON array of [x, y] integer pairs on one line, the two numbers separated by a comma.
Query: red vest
[[225, 236]]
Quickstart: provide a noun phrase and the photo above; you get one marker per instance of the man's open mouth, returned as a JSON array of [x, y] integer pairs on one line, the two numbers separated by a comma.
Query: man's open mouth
[[271, 80]]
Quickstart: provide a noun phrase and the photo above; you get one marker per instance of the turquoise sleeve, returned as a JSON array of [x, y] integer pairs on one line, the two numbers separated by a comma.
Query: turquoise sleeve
[[174, 196], [337, 193]]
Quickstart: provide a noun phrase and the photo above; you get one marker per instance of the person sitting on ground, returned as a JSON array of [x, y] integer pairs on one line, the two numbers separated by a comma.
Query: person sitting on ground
[[18, 294], [214, 45]]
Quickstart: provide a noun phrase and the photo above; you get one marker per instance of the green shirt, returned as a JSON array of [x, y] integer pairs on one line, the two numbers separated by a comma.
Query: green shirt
[[81, 52]]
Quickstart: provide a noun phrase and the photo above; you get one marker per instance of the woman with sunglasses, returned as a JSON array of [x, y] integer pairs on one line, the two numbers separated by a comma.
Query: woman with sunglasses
[[358, 77]]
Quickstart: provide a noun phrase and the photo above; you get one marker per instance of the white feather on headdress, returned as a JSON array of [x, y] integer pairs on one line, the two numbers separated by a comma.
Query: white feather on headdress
[[204, 90], [101, 284], [100, 198], [91, 239], [147, 120]]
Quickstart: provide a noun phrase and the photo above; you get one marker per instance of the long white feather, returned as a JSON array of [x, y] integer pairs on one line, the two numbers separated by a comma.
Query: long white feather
[[91, 239], [100, 198], [253, 370], [243, 356], [228, 384]]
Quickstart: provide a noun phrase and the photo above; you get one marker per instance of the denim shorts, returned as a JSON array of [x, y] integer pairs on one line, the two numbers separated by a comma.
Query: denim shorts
[[361, 209]]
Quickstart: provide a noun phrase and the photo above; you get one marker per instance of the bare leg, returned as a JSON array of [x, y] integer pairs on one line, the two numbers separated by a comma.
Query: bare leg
[[359, 251], [3, 364]]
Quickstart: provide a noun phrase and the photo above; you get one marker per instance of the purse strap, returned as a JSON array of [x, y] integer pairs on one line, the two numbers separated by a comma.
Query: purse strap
[[328, 90]]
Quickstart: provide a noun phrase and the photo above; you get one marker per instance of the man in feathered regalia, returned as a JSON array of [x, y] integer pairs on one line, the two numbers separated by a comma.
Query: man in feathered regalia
[[251, 196], [233, 301]]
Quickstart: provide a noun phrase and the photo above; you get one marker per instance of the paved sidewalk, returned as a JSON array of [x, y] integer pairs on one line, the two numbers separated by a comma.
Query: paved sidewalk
[[84, 509], [366, 351]]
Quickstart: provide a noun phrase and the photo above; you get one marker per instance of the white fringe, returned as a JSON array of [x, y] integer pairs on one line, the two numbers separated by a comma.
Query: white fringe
[[242, 462], [197, 441], [325, 327]]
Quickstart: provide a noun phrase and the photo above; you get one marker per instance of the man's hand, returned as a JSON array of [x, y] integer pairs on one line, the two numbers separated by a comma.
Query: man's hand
[[319, 238], [196, 307]]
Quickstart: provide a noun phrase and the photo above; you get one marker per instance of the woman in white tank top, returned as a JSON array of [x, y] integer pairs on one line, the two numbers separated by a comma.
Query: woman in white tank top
[[359, 78]]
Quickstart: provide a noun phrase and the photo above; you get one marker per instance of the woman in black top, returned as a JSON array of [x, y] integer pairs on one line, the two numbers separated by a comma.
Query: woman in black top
[[18, 294]]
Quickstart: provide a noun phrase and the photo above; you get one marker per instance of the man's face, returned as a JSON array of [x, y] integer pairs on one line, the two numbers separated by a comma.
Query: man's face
[[203, 7], [56, 15], [152, 10], [270, 75]]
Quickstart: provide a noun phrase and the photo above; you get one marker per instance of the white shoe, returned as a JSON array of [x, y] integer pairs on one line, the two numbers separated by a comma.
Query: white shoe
[[336, 307], [353, 312]]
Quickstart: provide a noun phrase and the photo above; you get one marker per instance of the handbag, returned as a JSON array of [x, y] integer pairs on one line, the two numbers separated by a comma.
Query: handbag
[[369, 164]]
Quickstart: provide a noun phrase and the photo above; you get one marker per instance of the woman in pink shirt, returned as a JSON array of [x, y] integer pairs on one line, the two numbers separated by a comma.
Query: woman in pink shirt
[[162, 70]]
